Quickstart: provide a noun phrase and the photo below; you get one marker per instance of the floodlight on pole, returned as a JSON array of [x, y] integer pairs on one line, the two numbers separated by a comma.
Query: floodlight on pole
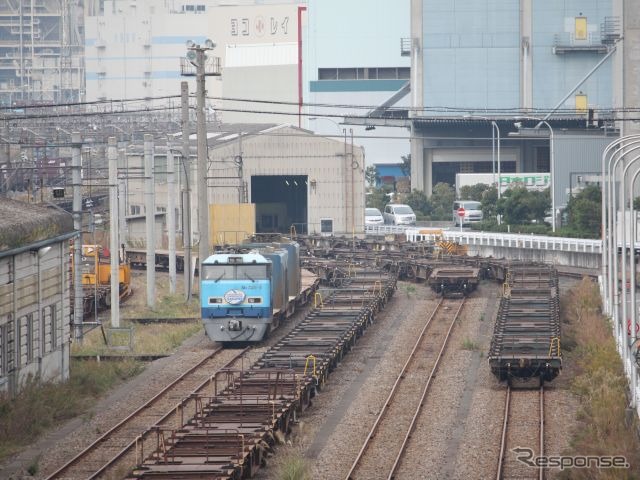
[[495, 132], [518, 125]]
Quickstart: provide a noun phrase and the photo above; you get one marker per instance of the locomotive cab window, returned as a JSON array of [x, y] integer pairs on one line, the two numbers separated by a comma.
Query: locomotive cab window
[[251, 272], [235, 272], [215, 272]]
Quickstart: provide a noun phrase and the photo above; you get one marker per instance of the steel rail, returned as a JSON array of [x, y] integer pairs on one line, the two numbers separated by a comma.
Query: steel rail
[[92, 447], [505, 428], [541, 448], [416, 414], [394, 390], [503, 438], [142, 437]]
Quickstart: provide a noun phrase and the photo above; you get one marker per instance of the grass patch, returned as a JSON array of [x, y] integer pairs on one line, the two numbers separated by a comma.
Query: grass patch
[[469, 344], [146, 339], [40, 407], [603, 427], [409, 289], [293, 467], [170, 306]]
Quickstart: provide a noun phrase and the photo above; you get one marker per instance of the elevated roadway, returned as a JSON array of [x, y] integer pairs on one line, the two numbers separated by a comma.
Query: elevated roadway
[[571, 252]]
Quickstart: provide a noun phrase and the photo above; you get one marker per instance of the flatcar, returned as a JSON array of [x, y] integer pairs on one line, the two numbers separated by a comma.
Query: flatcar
[[245, 294], [526, 338], [454, 281]]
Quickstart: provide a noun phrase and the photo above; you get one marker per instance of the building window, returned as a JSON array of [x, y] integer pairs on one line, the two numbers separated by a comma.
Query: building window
[[347, 74], [48, 337], [135, 209], [327, 74], [54, 328], [326, 225], [543, 163], [385, 73]]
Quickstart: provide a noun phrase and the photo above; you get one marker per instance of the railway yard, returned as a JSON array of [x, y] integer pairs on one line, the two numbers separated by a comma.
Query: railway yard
[[377, 377]]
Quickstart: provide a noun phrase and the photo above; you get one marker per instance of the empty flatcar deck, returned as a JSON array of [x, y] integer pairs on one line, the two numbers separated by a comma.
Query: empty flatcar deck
[[526, 338]]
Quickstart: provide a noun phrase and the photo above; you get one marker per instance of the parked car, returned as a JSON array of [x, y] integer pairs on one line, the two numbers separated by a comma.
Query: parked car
[[399, 214], [472, 212], [372, 216]]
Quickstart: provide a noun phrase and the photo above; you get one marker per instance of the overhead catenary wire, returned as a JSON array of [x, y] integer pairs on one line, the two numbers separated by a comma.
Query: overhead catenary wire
[[426, 108]]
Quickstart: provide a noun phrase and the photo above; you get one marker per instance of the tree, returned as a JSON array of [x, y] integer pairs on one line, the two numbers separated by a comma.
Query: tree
[[520, 206], [473, 192], [442, 198], [419, 202], [371, 176], [378, 198], [489, 200], [584, 212], [406, 165]]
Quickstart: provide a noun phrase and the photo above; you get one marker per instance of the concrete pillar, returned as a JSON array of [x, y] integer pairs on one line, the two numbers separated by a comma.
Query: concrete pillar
[[526, 63], [631, 55]]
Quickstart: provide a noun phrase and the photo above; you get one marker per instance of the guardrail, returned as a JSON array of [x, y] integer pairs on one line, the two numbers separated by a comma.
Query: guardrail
[[509, 240], [512, 240]]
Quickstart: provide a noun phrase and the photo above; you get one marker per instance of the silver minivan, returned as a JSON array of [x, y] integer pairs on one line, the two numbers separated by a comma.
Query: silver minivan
[[472, 212], [399, 214]]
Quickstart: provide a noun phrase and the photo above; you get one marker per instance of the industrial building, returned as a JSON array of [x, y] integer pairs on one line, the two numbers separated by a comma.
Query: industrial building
[[41, 52], [295, 179], [483, 76], [134, 50], [35, 317], [484, 62], [279, 59], [354, 62]]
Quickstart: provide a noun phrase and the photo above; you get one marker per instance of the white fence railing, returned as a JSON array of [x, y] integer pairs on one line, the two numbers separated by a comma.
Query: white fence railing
[[508, 240]]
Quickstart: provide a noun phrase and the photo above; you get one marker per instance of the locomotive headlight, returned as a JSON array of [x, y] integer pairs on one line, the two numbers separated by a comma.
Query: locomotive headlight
[[254, 300], [213, 300]]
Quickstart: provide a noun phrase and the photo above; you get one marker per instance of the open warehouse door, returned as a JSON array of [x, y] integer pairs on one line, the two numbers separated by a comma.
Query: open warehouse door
[[281, 201]]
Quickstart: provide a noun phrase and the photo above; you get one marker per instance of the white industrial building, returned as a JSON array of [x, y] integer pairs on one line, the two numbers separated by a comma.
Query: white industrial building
[[279, 59], [133, 50]]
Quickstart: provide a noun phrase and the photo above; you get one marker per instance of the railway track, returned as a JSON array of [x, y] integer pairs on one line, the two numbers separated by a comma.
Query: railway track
[[381, 454], [230, 434], [521, 429], [116, 450]]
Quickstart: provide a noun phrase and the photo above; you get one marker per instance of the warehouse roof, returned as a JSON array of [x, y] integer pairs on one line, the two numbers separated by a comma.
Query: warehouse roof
[[22, 224]]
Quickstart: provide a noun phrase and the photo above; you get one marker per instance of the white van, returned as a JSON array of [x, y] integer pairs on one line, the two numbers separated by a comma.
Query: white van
[[399, 214], [472, 212]]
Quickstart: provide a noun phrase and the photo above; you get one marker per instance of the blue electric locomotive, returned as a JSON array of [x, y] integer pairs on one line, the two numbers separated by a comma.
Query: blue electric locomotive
[[244, 295]]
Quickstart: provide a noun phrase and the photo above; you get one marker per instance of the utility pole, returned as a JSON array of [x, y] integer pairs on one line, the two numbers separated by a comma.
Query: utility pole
[[186, 190], [150, 210], [76, 165], [204, 66], [171, 218], [203, 196], [122, 196], [114, 230]]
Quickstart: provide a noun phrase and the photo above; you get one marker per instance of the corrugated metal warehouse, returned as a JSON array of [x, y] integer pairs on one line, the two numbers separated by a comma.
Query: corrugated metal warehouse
[[35, 309], [294, 178]]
